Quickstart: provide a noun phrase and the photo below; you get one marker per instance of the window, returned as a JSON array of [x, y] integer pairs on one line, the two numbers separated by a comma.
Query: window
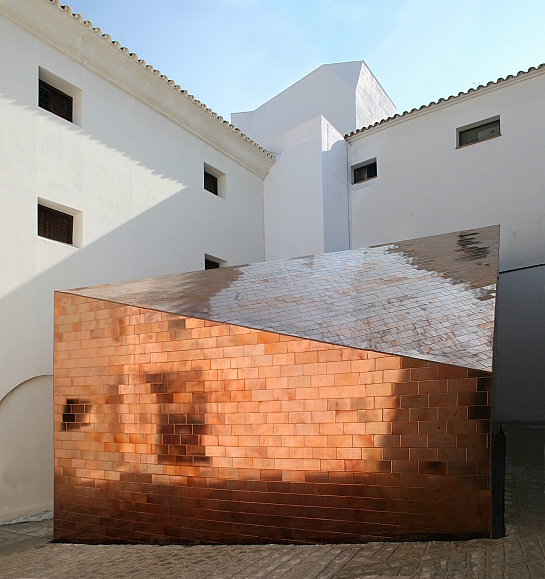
[[211, 183], [55, 101], [366, 171], [212, 262], [214, 181], [76, 414], [59, 97], [55, 225], [480, 132]]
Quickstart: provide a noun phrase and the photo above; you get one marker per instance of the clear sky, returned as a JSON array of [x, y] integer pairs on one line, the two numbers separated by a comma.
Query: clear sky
[[234, 55]]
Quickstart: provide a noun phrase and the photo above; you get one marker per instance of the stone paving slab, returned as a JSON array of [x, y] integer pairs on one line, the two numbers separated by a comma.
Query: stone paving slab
[[11, 542], [520, 555], [481, 559], [39, 529]]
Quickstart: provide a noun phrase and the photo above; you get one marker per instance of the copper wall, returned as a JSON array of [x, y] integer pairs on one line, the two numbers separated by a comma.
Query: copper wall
[[178, 430]]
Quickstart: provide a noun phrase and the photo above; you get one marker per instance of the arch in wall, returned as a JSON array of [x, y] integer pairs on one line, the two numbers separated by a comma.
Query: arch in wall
[[26, 448]]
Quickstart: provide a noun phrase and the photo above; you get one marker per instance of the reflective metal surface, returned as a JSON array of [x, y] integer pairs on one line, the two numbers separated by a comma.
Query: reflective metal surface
[[432, 298]]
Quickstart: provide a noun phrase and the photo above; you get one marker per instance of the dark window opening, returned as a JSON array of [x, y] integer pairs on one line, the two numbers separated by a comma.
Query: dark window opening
[[55, 225], [55, 101], [480, 133], [211, 183], [209, 264], [366, 172], [76, 414]]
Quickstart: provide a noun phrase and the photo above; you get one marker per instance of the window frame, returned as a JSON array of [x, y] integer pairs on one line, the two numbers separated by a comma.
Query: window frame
[[56, 95], [477, 125], [364, 164], [221, 178], [59, 84], [52, 221], [77, 222], [210, 259], [211, 183]]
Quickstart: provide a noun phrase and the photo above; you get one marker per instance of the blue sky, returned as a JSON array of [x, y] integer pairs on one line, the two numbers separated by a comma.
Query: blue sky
[[236, 54]]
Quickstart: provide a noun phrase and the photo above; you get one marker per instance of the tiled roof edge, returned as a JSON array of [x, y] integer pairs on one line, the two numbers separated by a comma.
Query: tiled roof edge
[[450, 98], [132, 55]]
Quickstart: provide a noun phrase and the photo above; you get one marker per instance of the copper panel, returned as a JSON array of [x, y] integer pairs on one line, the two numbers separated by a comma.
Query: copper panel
[[431, 298], [343, 445]]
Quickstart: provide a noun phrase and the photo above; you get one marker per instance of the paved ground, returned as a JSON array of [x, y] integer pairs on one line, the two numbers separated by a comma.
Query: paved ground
[[25, 552]]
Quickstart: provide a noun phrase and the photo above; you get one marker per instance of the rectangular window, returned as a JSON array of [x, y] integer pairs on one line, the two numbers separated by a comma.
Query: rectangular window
[[211, 183], [215, 181], [209, 264], [478, 133], [366, 171], [55, 225], [55, 101]]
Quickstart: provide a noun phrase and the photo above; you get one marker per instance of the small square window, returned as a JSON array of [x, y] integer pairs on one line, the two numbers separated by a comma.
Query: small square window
[[366, 171], [211, 183], [55, 225], [215, 181], [55, 101], [481, 132]]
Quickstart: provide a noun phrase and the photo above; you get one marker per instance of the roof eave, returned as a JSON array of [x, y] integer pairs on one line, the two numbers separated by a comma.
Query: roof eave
[[449, 101], [78, 40]]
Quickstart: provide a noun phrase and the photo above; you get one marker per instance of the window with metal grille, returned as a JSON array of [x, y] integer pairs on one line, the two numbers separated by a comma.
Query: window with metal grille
[[211, 183], [365, 172], [55, 101], [479, 133], [55, 225], [209, 264]]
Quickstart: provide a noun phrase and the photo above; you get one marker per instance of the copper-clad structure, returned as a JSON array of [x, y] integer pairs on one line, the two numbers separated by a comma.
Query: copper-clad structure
[[341, 397], [430, 298]]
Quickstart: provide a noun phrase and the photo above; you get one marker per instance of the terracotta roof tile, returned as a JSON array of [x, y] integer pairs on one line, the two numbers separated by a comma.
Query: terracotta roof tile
[[450, 98]]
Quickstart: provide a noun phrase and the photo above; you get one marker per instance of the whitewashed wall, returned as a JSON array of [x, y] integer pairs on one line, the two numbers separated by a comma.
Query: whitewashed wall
[[306, 193], [26, 449], [345, 93], [426, 186], [134, 171]]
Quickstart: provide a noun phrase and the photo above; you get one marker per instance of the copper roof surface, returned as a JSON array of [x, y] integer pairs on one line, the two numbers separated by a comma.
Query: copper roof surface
[[431, 298]]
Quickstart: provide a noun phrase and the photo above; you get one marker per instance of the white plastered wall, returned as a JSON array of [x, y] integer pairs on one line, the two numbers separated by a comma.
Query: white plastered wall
[[345, 93], [306, 193], [26, 449], [426, 186], [132, 173]]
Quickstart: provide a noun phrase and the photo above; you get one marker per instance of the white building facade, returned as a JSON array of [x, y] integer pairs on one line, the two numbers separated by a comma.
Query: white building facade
[[469, 161], [129, 171], [306, 192], [155, 183], [428, 180]]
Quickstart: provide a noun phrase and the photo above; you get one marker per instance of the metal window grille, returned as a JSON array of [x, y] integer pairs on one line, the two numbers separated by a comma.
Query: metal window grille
[[55, 225], [55, 101], [209, 264], [210, 183]]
